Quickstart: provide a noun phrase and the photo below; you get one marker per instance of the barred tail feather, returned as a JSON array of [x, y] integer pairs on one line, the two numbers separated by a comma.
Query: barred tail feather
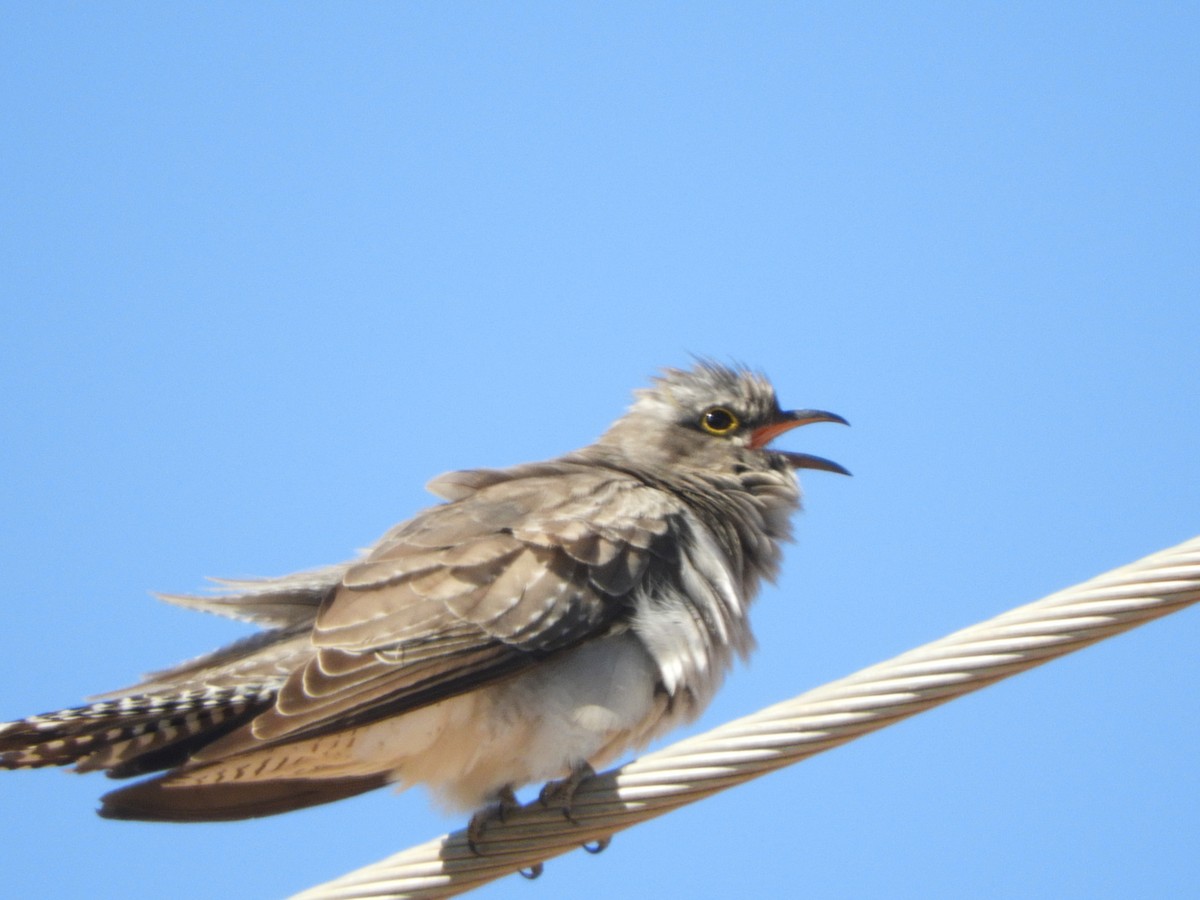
[[134, 734]]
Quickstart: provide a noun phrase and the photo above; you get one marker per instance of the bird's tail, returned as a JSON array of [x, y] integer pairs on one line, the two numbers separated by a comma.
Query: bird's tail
[[160, 724], [135, 733], [140, 733]]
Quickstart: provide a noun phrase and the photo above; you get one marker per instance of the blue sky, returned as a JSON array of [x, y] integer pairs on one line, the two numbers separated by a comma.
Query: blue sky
[[268, 268]]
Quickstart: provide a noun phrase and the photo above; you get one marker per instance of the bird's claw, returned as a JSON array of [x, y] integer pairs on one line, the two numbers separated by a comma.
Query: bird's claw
[[598, 846], [562, 793], [559, 794], [506, 803]]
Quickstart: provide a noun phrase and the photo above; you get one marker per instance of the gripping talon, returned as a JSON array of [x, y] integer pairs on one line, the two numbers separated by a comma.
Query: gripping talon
[[534, 871], [598, 846], [475, 830], [562, 793], [506, 803]]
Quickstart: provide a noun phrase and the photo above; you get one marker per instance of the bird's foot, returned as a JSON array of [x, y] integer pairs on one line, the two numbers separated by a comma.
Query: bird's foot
[[534, 871], [506, 803], [562, 793]]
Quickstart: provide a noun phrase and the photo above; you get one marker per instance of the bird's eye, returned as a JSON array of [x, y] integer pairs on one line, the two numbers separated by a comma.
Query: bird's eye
[[719, 421]]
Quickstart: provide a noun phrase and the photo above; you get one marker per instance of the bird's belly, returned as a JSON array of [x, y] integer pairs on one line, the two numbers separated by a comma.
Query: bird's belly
[[590, 704]]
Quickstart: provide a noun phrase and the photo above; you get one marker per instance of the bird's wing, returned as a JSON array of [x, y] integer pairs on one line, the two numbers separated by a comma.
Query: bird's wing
[[284, 602], [474, 591]]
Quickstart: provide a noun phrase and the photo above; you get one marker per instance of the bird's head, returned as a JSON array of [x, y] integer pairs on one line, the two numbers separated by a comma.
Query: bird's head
[[712, 417]]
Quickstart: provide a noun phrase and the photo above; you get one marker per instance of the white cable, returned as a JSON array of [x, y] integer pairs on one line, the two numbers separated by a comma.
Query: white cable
[[790, 731]]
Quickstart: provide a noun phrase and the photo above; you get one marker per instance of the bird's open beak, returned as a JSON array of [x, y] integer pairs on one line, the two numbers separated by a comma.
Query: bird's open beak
[[786, 421]]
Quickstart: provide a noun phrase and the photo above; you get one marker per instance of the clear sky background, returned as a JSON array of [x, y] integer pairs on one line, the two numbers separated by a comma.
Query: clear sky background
[[266, 269]]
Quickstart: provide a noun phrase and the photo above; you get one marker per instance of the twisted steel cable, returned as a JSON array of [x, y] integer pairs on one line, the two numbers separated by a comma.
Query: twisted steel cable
[[790, 731]]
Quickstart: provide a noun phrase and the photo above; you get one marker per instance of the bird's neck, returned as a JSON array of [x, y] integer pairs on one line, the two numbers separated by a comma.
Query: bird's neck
[[746, 506]]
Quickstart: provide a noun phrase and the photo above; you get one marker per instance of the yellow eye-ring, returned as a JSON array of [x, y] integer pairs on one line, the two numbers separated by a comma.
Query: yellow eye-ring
[[719, 421]]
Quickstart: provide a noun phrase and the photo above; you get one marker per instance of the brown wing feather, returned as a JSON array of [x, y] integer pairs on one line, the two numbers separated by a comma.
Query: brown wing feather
[[469, 593]]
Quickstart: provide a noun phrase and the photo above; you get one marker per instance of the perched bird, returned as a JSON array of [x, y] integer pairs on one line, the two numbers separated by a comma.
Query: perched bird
[[545, 619]]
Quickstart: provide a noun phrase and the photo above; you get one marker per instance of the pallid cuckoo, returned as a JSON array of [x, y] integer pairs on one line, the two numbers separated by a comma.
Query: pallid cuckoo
[[545, 619]]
